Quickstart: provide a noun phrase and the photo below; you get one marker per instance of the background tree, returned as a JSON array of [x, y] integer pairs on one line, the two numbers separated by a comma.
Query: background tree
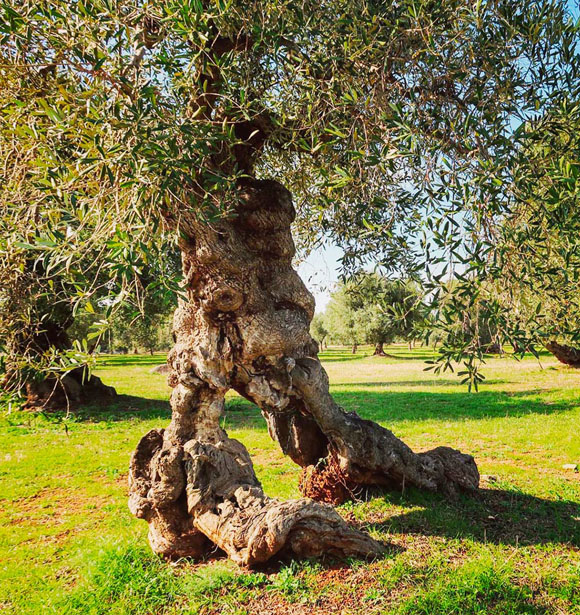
[[318, 329], [539, 244], [343, 317], [40, 360], [385, 118], [391, 309], [376, 310], [149, 330]]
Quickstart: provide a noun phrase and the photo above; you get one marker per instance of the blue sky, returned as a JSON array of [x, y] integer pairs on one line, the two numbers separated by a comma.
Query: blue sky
[[321, 270]]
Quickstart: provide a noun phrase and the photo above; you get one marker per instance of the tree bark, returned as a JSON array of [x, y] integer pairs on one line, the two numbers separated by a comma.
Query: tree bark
[[245, 325], [564, 353], [379, 349], [75, 387]]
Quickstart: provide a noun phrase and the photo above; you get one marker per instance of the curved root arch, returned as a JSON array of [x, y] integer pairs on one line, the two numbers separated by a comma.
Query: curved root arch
[[246, 326]]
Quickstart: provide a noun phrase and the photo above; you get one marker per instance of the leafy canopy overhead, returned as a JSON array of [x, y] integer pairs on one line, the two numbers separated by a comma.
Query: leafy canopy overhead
[[390, 122]]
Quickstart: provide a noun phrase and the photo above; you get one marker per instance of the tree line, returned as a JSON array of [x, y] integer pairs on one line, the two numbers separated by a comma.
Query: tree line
[[371, 309]]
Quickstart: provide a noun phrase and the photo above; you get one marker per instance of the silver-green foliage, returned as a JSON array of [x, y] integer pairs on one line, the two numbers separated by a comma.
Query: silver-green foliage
[[396, 124]]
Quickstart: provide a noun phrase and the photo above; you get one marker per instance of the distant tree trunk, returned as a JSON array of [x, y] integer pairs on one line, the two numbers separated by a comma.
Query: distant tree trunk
[[493, 348], [410, 345], [379, 349], [245, 325], [50, 392], [354, 348], [564, 353]]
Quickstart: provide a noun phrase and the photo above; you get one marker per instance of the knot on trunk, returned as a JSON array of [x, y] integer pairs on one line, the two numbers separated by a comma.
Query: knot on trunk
[[267, 394], [226, 299]]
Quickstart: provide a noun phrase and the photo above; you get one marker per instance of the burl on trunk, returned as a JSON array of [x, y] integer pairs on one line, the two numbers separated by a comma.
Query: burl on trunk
[[245, 326]]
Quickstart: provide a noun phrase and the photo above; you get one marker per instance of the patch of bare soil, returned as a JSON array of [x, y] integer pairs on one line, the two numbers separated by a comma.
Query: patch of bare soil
[[338, 590], [51, 507]]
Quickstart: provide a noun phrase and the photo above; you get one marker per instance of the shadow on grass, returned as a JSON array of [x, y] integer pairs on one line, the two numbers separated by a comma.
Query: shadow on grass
[[427, 382], [342, 358], [390, 358], [129, 360], [384, 407], [392, 407], [492, 515], [122, 408]]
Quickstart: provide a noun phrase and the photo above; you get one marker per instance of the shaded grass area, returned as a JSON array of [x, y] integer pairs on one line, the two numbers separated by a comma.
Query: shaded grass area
[[69, 545]]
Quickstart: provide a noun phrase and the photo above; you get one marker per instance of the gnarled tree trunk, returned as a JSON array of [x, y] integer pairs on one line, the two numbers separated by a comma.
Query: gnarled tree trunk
[[246, 326], [52, 392]]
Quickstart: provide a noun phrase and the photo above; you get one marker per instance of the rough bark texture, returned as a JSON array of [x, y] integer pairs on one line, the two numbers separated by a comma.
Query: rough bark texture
[[246, 326], [565, 354], [379, 349]]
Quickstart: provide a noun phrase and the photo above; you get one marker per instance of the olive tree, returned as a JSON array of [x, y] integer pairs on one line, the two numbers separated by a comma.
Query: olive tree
[[318, 329], [343, 317], [539, 247], [41, 364], [393, 125], [373, 309]]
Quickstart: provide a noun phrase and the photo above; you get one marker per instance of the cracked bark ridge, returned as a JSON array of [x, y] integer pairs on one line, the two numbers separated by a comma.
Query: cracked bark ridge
[[245, 325]]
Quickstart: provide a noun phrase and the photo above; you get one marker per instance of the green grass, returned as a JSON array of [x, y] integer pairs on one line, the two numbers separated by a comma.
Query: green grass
[[68, 544]]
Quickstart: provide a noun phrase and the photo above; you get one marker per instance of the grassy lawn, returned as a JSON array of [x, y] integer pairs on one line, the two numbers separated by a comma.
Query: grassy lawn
[[68, 543]]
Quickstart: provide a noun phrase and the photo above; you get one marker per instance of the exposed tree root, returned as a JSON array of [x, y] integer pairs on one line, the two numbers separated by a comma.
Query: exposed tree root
[[205, 494]]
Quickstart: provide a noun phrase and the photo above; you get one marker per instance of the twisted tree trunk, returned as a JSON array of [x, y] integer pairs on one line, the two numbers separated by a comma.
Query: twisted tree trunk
[[246, 326]]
